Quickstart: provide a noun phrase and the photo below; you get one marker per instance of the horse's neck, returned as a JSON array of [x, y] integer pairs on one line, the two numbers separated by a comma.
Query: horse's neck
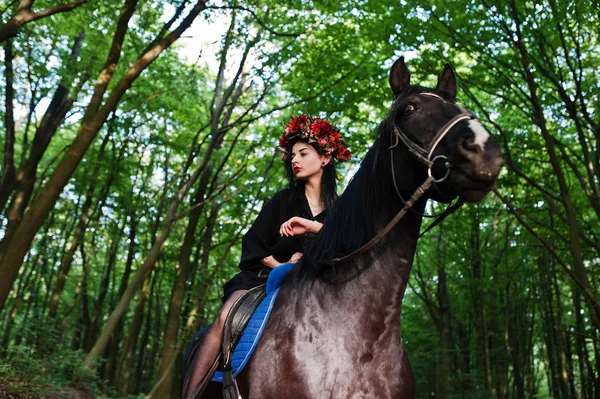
[[391, 260], [385, 268], [371, 286], [376, 292]]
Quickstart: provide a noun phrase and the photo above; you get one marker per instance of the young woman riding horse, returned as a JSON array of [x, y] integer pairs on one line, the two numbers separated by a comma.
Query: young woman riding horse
[[311, 147], [334, 331]]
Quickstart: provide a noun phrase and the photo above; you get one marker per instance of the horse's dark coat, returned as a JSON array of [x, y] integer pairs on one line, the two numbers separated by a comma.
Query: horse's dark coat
[[335, 329]]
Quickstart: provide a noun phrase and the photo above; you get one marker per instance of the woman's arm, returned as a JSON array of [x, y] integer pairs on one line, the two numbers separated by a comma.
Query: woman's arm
[[298, 225]]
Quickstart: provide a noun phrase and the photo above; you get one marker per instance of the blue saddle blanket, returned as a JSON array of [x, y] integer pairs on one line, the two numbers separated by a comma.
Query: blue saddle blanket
[[249, 339]]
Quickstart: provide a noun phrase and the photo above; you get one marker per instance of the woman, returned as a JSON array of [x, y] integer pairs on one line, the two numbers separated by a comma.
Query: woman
[[285, 225]]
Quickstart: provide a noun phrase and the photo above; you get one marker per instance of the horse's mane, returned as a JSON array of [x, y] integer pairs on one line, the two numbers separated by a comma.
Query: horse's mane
[[350, 221], [347, 224]]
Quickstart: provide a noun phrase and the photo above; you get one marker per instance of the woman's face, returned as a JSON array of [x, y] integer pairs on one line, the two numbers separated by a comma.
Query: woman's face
[[306, 161]]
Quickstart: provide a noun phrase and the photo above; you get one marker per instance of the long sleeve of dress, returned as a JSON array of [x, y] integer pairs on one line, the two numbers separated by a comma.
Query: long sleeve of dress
[[261, 238]]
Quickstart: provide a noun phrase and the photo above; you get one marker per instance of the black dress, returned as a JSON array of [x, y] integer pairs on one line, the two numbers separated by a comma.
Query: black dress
[[263, 239]]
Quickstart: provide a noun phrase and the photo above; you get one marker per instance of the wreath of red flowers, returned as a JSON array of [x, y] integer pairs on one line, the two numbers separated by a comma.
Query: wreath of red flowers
[[316, 131]]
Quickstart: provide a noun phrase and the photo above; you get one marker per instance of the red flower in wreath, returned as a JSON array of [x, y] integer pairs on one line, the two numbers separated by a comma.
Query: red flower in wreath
[[318, 132]]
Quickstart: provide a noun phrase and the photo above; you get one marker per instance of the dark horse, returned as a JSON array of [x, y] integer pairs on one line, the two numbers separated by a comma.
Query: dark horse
[[335, 329]]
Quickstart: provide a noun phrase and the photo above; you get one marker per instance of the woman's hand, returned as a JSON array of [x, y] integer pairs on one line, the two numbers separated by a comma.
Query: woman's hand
[[298, 225], [271, 262], [295, 257]]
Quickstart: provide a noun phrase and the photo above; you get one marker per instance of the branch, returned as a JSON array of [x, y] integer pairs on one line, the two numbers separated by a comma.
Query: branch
[[24, 15], [148, 99], [590, 241], [511, 207], [209, 199], [12, 3], [431, 306], [256, 18], [57, 9], [578, 334], [299, 101], [591, 191], [146, 59], [114, 54], [168, 25]]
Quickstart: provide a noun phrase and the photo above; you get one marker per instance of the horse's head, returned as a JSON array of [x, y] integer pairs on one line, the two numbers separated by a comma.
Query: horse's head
[[450, 143]]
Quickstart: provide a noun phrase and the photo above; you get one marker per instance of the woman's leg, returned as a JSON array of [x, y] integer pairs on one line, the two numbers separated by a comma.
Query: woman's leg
[[211, 346]]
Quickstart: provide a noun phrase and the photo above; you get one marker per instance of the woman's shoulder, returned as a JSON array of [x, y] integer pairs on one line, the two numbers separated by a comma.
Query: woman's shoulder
[[281, 197], [287, 200], [284, 194]]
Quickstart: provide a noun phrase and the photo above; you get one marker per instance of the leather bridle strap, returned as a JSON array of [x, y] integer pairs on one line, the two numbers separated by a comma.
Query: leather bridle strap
[[423, 155], [438, 137], [375, 240], [449, 211]]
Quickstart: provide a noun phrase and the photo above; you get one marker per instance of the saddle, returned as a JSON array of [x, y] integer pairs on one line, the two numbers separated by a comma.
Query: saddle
[[235, 323], [243, 328]]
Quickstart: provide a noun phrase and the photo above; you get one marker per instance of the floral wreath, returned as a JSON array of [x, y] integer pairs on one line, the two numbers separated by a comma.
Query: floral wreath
[[316, 131]]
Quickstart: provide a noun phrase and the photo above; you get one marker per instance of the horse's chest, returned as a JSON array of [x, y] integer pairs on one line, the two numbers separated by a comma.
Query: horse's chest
[[310, 359]]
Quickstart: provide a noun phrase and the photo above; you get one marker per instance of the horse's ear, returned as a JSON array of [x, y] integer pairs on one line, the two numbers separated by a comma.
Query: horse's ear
[[399, 76], [447, 82]]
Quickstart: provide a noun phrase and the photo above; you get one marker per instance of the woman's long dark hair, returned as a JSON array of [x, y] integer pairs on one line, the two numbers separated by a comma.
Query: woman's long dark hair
[[328, 179]]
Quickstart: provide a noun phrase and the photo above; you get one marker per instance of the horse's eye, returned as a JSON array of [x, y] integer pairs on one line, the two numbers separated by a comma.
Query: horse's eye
[[409, 109]]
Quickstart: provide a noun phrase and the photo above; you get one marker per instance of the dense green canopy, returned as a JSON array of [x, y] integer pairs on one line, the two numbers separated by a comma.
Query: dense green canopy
[[139, 142]]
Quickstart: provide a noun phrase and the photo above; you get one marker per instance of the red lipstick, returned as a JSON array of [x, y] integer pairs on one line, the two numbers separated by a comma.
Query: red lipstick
[[297, 169]]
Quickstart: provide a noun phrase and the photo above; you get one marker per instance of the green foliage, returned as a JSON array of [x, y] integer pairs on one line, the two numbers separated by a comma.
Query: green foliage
[[57, 368], [511, 301], [23, 361]]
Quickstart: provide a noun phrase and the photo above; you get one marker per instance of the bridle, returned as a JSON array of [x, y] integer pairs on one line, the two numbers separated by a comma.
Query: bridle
[[423, 155]]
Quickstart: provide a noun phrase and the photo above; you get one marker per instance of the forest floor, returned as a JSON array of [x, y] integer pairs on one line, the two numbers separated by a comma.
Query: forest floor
[[20, 388]]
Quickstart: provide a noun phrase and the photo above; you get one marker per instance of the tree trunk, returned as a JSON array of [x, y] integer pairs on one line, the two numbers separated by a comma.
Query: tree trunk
[[547, 310], [85, 300], [67, 260], [170, 347], [24, 181], [142, 375], [586, 371], [8, 168], [560, 337], [110, 372], [499, 323], [597, 360], [580, 271], [480, 317], [125, 363], [24, 287], [519, 326], [90, 333], [442, 316], [446, 340], [93, 121]]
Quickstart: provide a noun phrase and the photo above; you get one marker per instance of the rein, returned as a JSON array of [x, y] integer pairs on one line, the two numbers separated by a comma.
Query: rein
[[424, 156]]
